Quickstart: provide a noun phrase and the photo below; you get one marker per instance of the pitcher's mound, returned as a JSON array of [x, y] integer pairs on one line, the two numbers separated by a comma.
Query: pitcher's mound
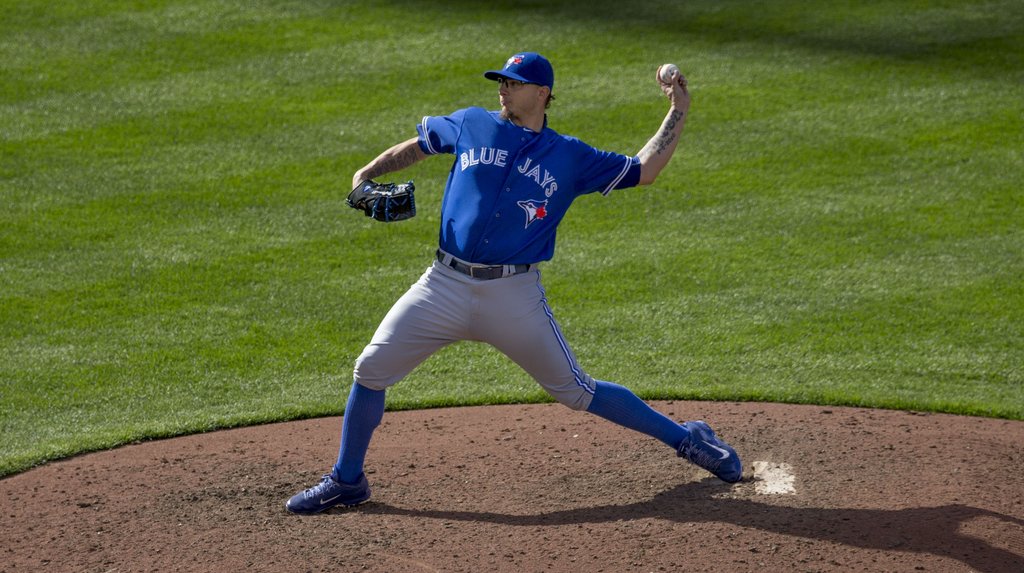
[[541, 488]]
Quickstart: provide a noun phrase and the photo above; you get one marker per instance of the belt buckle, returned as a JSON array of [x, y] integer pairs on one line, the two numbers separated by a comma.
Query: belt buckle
[[473, 269]]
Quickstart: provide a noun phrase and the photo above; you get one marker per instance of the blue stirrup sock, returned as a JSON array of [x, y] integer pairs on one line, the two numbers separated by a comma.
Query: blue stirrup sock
[[363, 413], [619, 404]]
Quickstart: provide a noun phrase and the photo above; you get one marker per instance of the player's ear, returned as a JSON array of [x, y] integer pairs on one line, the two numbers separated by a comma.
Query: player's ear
[[544, 94]]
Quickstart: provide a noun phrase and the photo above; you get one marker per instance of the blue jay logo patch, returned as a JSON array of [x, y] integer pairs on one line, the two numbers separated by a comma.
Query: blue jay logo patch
[[534, 210]]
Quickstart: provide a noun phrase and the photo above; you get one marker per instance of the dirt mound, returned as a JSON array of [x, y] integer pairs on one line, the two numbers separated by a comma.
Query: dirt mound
[[541, 488]]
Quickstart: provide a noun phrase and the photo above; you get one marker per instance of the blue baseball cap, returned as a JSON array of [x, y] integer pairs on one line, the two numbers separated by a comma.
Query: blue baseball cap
[[527, 67]]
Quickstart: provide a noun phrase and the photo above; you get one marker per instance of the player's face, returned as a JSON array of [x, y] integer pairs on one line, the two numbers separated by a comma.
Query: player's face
[[520, 100]]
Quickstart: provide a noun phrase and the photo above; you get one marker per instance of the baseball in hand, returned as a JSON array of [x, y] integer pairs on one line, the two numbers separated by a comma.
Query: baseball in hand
[[666, 72]]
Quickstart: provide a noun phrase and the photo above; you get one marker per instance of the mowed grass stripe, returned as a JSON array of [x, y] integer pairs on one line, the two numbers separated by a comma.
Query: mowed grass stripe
[[842, 224]]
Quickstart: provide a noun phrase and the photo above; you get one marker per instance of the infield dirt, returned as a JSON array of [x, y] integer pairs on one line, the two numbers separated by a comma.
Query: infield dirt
[[539, 488]]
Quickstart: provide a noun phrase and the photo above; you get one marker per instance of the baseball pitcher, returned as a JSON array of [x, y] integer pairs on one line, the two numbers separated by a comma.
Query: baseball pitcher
[[511, 182]]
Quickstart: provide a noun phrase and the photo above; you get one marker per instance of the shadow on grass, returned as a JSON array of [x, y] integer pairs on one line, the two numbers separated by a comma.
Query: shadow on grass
[[973, 39]]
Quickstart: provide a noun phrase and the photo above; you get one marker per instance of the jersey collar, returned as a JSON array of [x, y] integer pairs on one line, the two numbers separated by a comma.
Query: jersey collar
[[527, 129]]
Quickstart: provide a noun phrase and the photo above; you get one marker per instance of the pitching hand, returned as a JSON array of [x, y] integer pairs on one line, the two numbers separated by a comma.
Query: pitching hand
[[676, 91]]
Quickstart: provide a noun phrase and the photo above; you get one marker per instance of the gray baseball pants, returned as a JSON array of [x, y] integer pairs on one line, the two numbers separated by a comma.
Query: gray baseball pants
[[446, 306]]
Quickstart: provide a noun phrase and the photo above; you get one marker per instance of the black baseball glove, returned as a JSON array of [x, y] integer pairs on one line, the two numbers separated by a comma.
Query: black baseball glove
[[384, 201]]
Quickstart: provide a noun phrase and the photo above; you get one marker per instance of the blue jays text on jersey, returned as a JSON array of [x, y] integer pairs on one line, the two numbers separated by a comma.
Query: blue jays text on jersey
[[510, 187]]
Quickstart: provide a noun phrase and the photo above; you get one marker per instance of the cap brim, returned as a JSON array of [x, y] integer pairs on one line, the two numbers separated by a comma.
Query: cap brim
[[495, 75]]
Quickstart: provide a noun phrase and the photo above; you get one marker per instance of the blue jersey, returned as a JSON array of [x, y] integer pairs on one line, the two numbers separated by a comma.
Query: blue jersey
[[510, 186]]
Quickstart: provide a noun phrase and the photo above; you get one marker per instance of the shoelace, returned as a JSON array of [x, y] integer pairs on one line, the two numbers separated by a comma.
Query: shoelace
[[325, 483], [703, 459]]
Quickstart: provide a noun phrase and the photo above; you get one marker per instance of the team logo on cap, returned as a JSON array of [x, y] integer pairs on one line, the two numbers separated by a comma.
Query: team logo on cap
[[534, 210], [514, 61]]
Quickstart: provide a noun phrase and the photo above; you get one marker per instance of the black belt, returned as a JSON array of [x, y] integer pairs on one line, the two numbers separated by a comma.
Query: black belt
[[482, 272]]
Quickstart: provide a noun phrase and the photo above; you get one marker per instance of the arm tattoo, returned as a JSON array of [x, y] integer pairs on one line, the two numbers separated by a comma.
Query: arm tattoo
[[392, 163], [667, 135]]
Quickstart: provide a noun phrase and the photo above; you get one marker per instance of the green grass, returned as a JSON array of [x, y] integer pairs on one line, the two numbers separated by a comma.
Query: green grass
[[843, 223]]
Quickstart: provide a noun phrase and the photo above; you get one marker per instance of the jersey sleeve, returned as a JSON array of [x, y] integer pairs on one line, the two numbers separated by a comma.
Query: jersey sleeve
[[605, 171], [438, 134]]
